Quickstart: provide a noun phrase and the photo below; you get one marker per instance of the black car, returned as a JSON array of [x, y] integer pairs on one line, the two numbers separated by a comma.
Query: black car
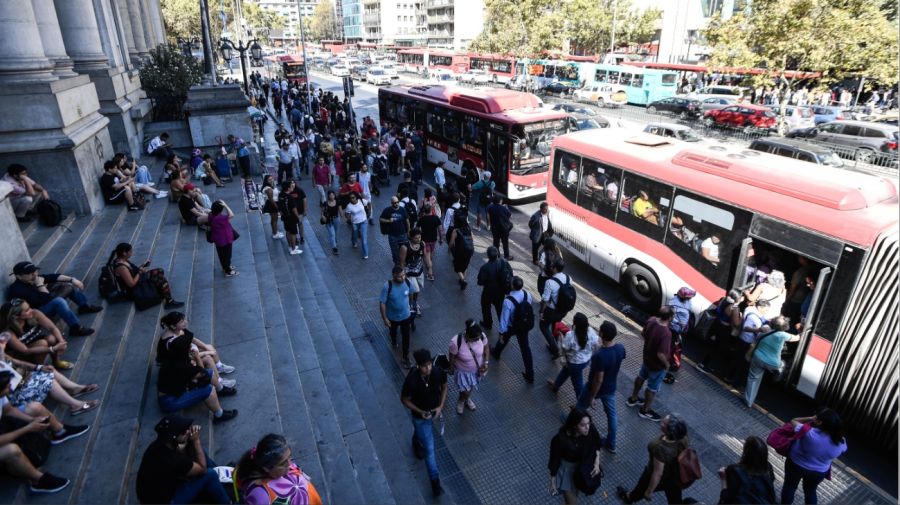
[[359, 72], [574, 108], [558, 88], [682, 107]]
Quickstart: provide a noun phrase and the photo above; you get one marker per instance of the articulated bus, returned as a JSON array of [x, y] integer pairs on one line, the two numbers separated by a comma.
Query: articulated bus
[[657, 214], [546, 71], [642, 85], [503, 131], [430, 61], [500, 68]]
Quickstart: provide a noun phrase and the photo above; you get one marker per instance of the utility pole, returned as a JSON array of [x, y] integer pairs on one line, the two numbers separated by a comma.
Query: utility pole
[[612, 38], [209, 64], [305, 63]]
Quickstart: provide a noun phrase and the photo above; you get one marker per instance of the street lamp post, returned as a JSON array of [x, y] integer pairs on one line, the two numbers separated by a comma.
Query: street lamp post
[[305, 64], [253, 46]]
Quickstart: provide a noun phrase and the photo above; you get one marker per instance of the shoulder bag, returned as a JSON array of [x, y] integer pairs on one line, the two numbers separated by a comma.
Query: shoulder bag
[[783, 437], [749, 355]]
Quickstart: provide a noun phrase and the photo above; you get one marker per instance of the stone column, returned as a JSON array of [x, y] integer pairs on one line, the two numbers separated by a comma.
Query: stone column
[[135, 18], [149, 39], [23, 58], [51, 37], [122, 6], [159, 31], [81, 34]]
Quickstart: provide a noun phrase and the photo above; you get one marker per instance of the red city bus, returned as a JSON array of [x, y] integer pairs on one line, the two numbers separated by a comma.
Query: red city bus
[[500, 68], [430, 61], [505, 132], [657, 214], [292, 68]]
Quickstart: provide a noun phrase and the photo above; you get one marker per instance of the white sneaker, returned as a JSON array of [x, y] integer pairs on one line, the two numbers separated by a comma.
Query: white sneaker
[[227, 383], [151, 184], [161, 195], [295, 251], [225, 369], [278, 235]]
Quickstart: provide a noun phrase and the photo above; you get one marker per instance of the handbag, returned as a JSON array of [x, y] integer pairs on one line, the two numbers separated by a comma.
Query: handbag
[[145, 294], [783, 437], [749, 354]]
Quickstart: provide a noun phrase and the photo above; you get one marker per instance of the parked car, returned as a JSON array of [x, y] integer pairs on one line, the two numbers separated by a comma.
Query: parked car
[[827, 113], [558, 88], [474, 76], [682, 107], [865, 141], [390, 69], [359, 72], [377, 76], [752, 118], [675, 131], [340, 70], [716, 102], [794, 117], [443, 79], [578, 122], [573, 108], [716, 91], [602, 94], [797, 149]]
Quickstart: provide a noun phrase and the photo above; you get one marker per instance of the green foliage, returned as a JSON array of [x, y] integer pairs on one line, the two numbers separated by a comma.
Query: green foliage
[[529, 27], [168, 72], [322, 23], [839, 38], [261, 19]]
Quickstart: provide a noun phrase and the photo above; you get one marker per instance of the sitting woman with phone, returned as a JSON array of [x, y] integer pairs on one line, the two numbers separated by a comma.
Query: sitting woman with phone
[[130, 276]]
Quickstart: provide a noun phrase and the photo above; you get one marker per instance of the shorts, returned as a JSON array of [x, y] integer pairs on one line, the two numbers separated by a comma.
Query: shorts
[[430, 247], [654, 378], [415, 283], [292, 226]]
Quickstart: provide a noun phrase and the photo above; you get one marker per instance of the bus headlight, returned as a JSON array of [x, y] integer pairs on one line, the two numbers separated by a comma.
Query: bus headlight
[[520, 187]]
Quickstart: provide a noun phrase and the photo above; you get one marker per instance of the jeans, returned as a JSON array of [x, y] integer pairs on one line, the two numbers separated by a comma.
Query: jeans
[[501, 237], [609, 407], [59, 307], [394, 241], [142, 175], [793, 474], [404, 334], [548, 319], [755, 377], [169, 404], [574, 372], [331, 228], [527, 360], [425, 434], [360, 233], [208, 483]]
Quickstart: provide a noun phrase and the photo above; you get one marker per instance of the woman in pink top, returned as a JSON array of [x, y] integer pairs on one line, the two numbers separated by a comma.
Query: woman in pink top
[[469, 357], [222, 234]]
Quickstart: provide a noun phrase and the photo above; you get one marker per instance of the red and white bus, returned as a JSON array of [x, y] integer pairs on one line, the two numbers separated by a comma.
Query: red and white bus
[[292, 68], [643, 210], [503, 131], [430, 61], [500, 68]]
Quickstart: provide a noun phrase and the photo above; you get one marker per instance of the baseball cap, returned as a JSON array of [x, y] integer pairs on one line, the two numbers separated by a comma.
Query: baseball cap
[[25, 267], [686, 293], [172, 426]]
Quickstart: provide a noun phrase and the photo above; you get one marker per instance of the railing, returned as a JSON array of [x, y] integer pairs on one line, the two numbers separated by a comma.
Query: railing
[[167, 108], [432, 4], [446, 18]]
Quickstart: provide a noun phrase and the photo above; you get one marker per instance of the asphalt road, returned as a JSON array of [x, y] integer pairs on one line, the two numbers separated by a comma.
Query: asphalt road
[[868, 458]]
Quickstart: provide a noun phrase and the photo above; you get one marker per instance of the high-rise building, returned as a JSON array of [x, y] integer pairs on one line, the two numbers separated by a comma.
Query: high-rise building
[[394, 22], [352, 20], [453, 23], [292, 11], [678, 38]]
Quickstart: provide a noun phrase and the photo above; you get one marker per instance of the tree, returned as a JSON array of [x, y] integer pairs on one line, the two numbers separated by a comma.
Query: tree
[[321, 26], [840, 38], [169, 72], [261, 19]]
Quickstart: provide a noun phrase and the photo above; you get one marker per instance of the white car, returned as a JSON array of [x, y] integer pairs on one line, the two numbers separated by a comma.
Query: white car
[[602, 94], [340, 71], [675, 131], [390, 70], [377, 76], [475, 76]]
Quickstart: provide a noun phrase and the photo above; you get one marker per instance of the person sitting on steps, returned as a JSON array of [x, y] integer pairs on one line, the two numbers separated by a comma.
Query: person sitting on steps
[[130, 274]]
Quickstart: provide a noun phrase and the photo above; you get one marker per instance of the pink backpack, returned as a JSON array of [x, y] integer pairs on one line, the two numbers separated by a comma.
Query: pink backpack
[[784, 436]]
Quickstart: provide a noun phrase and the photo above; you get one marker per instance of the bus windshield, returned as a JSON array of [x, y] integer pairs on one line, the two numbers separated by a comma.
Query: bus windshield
[[534, 145]]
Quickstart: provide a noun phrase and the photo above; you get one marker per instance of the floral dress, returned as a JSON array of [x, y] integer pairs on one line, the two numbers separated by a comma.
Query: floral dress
[[294, 488]]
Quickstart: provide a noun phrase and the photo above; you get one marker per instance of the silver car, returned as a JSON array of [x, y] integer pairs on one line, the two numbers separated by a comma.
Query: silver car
[[672, 130], [716, 102], [868, 140]]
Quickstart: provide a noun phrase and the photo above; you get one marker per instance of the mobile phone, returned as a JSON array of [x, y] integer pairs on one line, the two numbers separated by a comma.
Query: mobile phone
[[146, 263]]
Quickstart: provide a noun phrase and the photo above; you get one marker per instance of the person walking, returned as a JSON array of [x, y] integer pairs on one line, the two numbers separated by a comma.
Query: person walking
[[604, 371], [290, 202], [395, 302], [482, 196], [462, 247], [432, 234], [222, 234], [469, 356], [821, 441], [269, 193], [576, 441], [517, 319], [539, 228], [356, 213], [657, 350], [285, 161], [751, 480], [549, 298], [424, 394], [577, 346], [322, 178], [412, 258], [662, 470], [499, 220], [548, 254], [765, 356], [395, 224], [681, 306], [331, 214], [495, 278]]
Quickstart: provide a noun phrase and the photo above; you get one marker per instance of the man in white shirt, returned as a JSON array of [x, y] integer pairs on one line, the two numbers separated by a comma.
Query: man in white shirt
[[549, 297], [710, 249], [440, 179], [159, 146]]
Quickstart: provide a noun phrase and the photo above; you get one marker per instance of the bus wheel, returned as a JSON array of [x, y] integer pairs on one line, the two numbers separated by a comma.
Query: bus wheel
[[642, 287]]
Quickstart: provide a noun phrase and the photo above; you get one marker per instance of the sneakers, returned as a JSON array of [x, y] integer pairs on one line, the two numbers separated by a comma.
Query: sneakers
[[650, 414], [669, 378], [296, 251], [227, 383], [69, 432], [278, 235], [436, 489], [132, 208], [460, 408], [80, 331], [227, 415], [470, 404], [636, 401], [161, 195], [224, 369], [49, 483], [231, 273], [172, 304], [227, 391], [89, 309]]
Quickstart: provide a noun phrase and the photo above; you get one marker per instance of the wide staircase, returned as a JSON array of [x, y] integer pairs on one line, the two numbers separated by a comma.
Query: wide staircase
[[305, 367]]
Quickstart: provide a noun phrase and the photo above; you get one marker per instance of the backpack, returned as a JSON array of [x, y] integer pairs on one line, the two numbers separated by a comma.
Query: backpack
[[688, 467], [487, 194], [465, 243], [412, 211], [565, 298], [506, 274], [390, 286], [377, 165], [523, 315], [49, 212], [108, 283], [394, 151]]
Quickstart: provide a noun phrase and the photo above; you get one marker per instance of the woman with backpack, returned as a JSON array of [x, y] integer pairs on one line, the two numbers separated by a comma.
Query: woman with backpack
[[577, 346], [469, 356], [129, 276], [462, 246], [577, 442], [751, 480], [821, 440], [663, 471], [267, 474]]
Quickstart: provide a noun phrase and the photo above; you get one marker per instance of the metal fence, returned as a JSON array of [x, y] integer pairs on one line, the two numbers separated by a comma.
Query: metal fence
[[167, 108]]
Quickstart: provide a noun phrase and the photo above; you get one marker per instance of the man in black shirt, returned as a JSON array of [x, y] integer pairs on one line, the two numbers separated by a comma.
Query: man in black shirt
[[191, 211], [494, 277], [176, 469], [424, 393], [36, 290], [500, 222], [115, 189]]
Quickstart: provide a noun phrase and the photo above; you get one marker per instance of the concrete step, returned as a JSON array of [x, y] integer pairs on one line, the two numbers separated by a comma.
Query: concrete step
[[43, 237]]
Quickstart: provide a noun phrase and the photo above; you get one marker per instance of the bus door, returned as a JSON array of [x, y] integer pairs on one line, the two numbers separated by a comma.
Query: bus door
[[805, 373], [497, 158]]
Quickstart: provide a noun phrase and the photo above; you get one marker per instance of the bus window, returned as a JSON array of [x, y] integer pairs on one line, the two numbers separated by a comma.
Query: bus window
[[644, 206], [669, 79], [625, 79], [599, 188], [637, 81], [401, 113], [452, 127], [473, 132], [391, 110], [435, 124], [613, 77], [501, 66], [600, 75], [565, 174]]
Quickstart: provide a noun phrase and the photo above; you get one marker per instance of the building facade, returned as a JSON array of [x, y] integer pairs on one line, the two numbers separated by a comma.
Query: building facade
[[393, 22], [352, 20], [70, 89], [292, 11], [682, 22], [453, 24]]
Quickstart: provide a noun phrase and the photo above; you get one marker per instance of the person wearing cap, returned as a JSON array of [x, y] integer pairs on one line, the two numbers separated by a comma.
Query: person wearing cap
[[176, 469], [191, 210], [424, 394], [17, 424], [681, 306], [482, 195], [605, 364], [42, 293]]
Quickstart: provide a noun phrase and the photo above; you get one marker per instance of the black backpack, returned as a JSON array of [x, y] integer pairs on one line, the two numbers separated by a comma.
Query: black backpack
[[487, 194], [49, 212], [390, 286], [565, 298], [109, 283], [465, 242], [522, 316]]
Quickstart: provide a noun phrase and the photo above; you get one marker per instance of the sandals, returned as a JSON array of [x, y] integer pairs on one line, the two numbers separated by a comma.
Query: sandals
[[63, 365], [87, 389], [85, 407]]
